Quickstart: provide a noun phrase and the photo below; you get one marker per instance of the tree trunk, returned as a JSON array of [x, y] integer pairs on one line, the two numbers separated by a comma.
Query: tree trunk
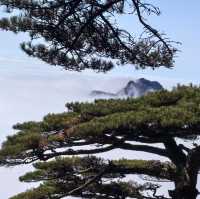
[[184, 192], [187, 171], [185, 186]]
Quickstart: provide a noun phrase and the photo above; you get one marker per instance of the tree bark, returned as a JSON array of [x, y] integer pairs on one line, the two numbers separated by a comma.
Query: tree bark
[[185, 185], [186, 171], [184, 191]]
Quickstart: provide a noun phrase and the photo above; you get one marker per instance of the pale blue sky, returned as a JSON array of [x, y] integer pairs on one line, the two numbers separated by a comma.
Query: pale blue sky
[[179, 19]]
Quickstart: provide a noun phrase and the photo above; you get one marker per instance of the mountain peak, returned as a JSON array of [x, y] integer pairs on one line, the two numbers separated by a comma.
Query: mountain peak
[[129, 90], [136, 88]]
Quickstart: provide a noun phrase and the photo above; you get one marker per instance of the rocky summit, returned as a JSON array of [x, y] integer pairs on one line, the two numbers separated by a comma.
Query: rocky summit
[[136, 88]]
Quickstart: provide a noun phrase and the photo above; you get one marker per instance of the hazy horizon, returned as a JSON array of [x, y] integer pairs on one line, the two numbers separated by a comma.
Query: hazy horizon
[[32, 92]]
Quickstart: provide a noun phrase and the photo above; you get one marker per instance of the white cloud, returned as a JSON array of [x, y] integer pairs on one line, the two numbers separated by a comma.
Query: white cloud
[[28, 93]]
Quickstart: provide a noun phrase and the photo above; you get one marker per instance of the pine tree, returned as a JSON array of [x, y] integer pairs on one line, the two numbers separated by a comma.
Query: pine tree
[[82, 34], [85, 34], [167, 117]]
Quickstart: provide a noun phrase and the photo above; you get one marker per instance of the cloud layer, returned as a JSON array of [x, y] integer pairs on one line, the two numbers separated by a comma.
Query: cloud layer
[[28, 93]]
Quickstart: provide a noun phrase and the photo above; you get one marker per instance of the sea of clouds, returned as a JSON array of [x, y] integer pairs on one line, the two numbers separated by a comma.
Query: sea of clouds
[[29, 93]]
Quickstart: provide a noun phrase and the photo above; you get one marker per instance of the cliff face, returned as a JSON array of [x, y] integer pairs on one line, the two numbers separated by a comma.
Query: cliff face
[[136, 88]]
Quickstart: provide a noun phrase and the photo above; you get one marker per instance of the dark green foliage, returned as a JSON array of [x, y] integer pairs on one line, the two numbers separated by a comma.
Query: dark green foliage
[[104, 125], [50, 122], [82, 34], [66, 174]]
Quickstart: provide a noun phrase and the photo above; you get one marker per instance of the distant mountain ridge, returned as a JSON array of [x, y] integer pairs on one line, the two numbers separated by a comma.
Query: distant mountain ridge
[[136, 88]]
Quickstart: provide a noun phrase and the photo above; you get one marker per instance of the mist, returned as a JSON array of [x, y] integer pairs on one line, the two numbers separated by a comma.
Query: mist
[[29, 93]]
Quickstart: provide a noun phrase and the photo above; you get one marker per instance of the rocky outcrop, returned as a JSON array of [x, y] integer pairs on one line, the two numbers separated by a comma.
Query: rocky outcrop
[[136, 88]]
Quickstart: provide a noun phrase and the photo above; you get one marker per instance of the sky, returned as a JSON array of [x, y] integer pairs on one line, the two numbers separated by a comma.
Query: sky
[[29, 89], [179, 20]]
